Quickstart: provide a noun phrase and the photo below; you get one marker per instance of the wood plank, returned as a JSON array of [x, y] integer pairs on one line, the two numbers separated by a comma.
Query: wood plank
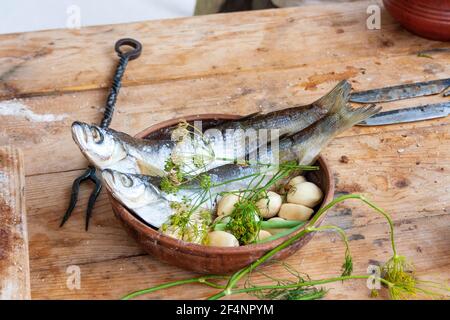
[[392, 183], [191, 48], [41, 125], [14, 263], [238, 63], [427, 242], [47, 129]]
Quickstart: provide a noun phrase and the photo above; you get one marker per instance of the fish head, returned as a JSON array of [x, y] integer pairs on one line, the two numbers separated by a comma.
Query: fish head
[[99, 145], [133, 190]]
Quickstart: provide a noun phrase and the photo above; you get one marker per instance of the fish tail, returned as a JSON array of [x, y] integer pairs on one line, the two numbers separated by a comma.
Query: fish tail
[[334, 99], [347, 117], [314, 138]]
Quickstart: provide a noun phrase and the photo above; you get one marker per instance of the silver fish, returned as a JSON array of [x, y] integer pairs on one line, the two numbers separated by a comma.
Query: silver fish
[[304, 146], [221, 144], [146, 201], [107, 148], [138, 194]]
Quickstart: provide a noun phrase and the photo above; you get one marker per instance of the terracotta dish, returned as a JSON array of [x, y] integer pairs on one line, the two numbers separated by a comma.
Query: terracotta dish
[[204, 259], [426, 18]]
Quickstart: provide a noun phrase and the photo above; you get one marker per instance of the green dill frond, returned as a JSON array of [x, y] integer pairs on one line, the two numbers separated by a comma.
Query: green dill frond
[[399, 273], [170, 165], [304, 293], [347, 266], [187, 223], [374, 293], [205, 182], [167, 186], [285, 290], [198, 161], [308, 294], [244, 222], [193, 151]]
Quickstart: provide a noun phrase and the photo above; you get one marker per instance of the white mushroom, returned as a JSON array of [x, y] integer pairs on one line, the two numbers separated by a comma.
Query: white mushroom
[[305, 193], [222, 239], [291, 211], [226, 204], [269, 205]]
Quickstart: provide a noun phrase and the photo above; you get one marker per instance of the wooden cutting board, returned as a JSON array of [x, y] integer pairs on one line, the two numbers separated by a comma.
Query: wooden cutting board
[[14, 266]]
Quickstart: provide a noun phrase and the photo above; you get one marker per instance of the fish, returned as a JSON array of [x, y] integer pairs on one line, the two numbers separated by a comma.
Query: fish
[[106, 148], [139, 194], [221, 144], [304, 147]]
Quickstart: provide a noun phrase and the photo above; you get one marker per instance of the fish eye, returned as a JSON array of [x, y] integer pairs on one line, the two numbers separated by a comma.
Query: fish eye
[[126, 181], [97, 135]]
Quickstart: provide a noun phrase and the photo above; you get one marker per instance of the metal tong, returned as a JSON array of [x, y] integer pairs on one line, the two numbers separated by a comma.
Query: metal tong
[[90, 174]]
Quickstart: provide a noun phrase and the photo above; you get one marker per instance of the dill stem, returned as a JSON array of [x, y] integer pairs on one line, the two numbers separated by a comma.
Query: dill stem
[[294, 285], [388, 218], [202, 280], [334, 228], [268, 225], [309, 228], [234, 279]]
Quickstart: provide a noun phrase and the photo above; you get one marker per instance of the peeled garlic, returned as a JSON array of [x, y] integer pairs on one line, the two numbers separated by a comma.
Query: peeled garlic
[[263, 234], [222, 239], [226, 204], [221, 219], [305, 193], [275, 231], [269, 205], [296, 180], [291, 211]]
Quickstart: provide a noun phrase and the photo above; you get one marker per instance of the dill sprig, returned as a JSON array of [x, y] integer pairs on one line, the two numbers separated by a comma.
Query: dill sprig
[[280, 292], [245, 221], [347, 266], [396, 275]]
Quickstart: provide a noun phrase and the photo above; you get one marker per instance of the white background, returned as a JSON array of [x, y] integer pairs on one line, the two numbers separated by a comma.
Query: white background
[[31, 15]]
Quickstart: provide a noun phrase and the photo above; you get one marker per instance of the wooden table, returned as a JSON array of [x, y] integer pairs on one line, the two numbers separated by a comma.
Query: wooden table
[[235, 63]]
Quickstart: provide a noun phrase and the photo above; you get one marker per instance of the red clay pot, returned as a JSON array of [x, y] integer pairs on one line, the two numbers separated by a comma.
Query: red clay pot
[[426, 18], [214, 260]]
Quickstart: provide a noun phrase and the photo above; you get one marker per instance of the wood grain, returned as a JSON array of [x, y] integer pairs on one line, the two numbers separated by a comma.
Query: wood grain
[[73, 60], [392, 180], [14, 263], [234, 63]]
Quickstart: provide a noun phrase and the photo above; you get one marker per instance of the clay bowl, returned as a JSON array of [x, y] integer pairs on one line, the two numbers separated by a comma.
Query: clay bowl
[[426, 18], [204, 259]]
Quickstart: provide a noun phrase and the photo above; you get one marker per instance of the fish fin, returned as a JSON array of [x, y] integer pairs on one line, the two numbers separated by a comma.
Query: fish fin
[[331, 103], [347, 117], [314, 138], [147, 169], [334, 99]]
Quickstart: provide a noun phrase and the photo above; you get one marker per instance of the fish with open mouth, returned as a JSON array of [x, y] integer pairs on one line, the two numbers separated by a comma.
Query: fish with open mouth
[[141, 194], [107, 148]]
